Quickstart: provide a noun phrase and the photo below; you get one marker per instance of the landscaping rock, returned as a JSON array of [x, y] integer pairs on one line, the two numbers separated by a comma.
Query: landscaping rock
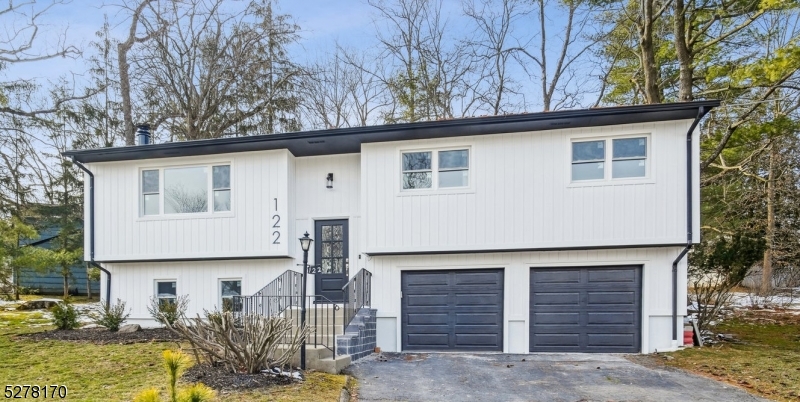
[[93, 326], [126, 329], [41, 304]]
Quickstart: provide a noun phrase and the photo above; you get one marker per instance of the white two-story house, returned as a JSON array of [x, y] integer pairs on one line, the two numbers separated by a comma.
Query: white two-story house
[[562, 231]]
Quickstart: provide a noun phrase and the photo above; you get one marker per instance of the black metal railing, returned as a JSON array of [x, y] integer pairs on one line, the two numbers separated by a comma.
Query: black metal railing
[[357, 294], [321, 316], [288, 283]]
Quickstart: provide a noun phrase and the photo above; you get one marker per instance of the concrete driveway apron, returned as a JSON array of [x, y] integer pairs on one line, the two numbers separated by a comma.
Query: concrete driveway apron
[[540, 377]]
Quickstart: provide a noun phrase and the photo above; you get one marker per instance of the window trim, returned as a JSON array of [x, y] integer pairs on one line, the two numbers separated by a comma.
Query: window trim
[[209, 191], [435, 170], [167, 280], [608, 178], [219, 290]]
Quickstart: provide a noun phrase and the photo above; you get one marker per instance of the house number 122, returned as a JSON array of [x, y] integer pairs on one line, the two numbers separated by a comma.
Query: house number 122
[[276, 225]]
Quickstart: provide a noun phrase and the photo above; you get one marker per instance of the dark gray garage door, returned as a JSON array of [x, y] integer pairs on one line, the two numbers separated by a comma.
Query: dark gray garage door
[[453, 310], [586, 309]]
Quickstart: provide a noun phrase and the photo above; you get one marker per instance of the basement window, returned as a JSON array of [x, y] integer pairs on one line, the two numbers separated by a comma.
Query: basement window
[[227, 289], [166, 292]]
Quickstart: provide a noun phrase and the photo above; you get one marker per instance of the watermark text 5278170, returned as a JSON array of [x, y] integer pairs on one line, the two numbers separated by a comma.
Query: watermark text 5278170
[[35, 391]]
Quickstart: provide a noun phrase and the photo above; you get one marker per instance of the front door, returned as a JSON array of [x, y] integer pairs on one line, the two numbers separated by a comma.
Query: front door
[[331, 246]]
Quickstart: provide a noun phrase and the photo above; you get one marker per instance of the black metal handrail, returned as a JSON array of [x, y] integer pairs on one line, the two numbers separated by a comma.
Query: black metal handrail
[[357, 294], [287, 284], [321, 316]]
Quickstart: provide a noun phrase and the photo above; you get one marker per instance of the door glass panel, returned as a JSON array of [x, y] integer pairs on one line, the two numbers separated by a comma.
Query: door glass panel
[[337, 249], [326, 249], [337, 232], [337, 266], [326, 265], [326, 233]]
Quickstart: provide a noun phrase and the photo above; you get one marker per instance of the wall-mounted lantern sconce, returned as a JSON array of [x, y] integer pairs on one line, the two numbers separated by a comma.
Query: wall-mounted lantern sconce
[[330, 180]]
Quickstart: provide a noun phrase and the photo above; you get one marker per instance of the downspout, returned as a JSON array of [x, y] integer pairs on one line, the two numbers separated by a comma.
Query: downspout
[[689, 222], [91, 231]]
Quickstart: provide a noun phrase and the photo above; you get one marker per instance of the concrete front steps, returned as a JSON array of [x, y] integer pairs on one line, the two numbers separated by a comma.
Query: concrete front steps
[[321, 358]]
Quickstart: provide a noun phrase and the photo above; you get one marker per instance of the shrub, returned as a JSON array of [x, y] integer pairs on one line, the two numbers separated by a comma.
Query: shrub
[[167, 312], [111, 316], [65, 316], [176, 364], [246, 344]]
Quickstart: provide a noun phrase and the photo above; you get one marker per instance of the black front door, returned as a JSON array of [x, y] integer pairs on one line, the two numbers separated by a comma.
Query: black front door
[[331, 245]]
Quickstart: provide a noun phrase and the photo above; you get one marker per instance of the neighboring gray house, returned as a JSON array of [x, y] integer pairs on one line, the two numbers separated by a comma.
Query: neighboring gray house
[[52, 282]]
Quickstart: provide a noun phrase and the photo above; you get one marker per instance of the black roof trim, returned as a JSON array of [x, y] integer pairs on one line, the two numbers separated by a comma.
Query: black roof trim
[[349, 140]]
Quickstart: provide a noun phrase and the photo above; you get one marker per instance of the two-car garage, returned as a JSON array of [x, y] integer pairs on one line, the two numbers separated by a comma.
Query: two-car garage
[[572, 309]]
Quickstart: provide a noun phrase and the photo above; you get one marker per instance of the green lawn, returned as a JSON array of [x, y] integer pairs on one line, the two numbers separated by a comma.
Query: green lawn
[[114, 372], [766, 362]]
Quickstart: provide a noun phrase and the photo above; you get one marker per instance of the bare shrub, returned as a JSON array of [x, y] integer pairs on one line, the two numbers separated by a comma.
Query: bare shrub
[[168, 311], [246, 344]]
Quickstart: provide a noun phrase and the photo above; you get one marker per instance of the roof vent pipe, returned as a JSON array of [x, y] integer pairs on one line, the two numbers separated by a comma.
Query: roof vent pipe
[[143, 133]]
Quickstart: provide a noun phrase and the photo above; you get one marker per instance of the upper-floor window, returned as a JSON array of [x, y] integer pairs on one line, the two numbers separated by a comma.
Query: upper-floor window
[[627, 158], [435, 169], [185, 190]]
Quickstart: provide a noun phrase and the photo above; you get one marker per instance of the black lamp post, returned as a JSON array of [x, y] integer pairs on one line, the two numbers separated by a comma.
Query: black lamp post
[[305, 244]]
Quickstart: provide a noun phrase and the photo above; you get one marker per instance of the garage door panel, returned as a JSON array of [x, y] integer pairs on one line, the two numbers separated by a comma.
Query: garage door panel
[[621, 340], [598, 312], [478, 340], [427, 319], [556, 276], [427, 279], [612, 275], [477, 299], [466, 312], [556, 318], [570, 340], [477, 319], [426, 340], [487, 279], [618, 298], [612, 318], [556, 299], [427, 300]]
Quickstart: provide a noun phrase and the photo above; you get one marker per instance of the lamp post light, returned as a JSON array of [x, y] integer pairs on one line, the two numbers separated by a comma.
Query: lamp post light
[[305, 244]]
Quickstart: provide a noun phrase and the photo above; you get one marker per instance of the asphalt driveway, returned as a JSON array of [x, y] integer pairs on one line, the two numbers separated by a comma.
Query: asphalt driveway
[[540, 377]]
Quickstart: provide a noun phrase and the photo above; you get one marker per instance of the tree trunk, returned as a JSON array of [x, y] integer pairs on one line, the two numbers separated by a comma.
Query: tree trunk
[[65, 274], [685, 58], [766, 271], [15, 274], [125, 89], [648, 53]]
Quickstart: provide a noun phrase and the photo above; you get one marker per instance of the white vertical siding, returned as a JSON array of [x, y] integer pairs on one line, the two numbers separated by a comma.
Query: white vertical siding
[[135, 283], [314, 201], [257, 179], [656, 296], [521, 196]]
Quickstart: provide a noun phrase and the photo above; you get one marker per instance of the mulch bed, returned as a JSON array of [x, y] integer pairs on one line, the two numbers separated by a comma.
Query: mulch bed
[[221, 379], [101, 336]]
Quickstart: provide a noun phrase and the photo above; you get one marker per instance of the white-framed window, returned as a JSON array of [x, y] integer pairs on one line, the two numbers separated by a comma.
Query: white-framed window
[[185, 190], [610, 158], [227, 289], [435, 169], [166, 291]]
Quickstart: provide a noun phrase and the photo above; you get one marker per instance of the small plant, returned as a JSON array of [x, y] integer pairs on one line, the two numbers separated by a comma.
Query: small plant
[[110, 316], [168, 311], [176, 364], [65, 316]]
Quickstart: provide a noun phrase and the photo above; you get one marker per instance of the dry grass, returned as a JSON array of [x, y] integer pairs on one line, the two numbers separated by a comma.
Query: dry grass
[[764, 362], [115, 372]]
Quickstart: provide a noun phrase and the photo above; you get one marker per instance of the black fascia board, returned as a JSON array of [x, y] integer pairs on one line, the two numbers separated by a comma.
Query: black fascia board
[[349, 140]]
